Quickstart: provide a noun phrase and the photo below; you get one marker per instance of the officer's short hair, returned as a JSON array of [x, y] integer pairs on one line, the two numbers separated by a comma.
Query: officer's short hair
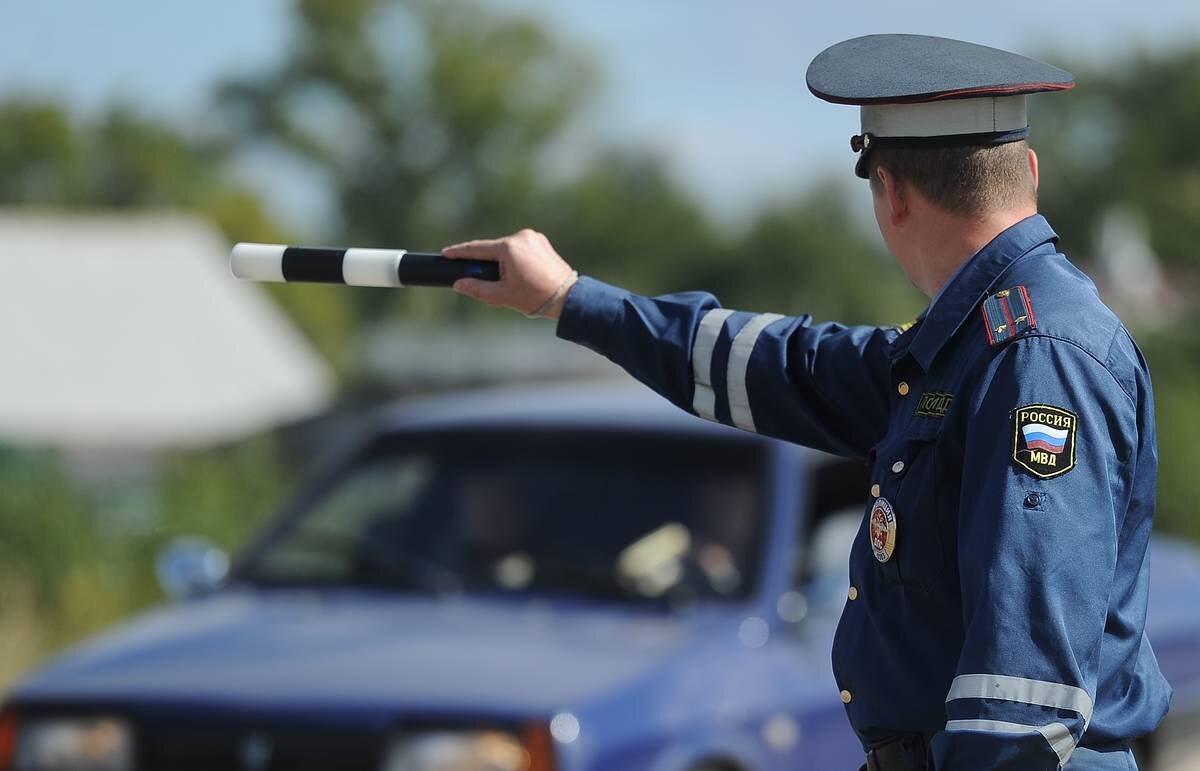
[[969, 180]]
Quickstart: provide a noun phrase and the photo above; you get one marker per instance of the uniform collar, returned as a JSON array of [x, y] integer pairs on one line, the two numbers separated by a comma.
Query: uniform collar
[[968, 287]]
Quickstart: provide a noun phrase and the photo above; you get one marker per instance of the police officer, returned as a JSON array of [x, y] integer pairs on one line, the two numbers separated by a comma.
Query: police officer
[[999, 579]]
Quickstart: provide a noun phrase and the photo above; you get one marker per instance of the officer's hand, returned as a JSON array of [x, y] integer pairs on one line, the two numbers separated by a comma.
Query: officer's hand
[[530, 272]]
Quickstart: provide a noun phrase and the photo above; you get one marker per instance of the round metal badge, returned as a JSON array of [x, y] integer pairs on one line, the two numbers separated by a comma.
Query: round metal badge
[[883, 530]]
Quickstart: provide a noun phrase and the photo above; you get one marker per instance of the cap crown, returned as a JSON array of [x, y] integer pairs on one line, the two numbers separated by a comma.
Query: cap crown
[[882, 69]]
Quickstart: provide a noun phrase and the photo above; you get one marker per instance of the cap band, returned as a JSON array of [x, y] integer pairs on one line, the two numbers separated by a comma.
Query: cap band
[[950, 117], [955, 140]]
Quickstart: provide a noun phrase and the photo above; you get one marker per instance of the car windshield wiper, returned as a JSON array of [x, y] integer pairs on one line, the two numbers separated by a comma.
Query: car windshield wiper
[[375, 560]]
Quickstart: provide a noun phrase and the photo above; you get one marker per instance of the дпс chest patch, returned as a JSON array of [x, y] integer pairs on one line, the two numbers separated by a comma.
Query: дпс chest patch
[[934, 404], [1044, 439]]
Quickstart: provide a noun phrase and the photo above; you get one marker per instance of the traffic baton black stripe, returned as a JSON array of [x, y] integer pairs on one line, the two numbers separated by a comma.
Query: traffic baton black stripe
[[305, 263]]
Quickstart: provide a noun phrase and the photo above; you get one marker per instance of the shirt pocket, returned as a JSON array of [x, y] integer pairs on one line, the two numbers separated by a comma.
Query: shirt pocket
[[914, 481]]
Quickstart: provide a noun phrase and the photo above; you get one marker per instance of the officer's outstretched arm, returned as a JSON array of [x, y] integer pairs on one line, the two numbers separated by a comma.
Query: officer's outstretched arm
[[823, 386], [1050, 449]]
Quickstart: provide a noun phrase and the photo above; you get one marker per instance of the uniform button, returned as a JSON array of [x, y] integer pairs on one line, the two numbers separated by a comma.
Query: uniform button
[[902, 388], [846, 697], [1032, 500], [853, 593], [875, 491], [897, 467]]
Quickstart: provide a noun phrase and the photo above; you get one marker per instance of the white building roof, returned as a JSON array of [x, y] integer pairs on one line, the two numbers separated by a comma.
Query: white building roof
[[128, 331]]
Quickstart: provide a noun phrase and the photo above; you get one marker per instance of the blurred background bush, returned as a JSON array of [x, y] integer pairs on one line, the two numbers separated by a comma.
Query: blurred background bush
[[424, 123]]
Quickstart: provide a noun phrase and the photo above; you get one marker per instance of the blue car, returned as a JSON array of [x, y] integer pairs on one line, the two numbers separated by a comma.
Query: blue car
[[551, 580]]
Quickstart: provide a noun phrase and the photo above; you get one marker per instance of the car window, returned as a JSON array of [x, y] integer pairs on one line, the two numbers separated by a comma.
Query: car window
[[597, 513]]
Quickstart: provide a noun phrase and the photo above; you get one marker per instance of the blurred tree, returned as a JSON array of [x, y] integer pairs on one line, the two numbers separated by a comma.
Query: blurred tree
[[624, 220], [44, 523], [809, 257], [1174, 356], [426, 120], [1123, 136], [65, 572], [119, 160], [40, 155]]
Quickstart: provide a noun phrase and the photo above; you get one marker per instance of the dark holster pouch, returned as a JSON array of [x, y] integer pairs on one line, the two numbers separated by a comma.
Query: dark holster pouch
[[909, 752]]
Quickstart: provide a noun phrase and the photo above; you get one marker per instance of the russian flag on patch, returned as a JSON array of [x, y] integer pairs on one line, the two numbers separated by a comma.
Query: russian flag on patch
[[1039, 436]]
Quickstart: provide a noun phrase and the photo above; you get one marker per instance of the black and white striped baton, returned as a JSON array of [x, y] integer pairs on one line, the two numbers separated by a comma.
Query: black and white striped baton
[[355, 267]]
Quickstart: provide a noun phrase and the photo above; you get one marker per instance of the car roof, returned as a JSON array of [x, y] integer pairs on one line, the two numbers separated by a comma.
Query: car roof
[[613, 406]]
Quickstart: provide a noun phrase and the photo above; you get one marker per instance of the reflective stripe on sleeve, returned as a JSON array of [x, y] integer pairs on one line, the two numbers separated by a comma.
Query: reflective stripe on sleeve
[[704, 401], [739, 363], [1056, 734], [1037, 692]]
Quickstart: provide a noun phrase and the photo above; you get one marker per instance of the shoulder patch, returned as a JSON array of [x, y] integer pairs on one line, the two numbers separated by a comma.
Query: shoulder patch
[[1008, 314], [1044, 439]]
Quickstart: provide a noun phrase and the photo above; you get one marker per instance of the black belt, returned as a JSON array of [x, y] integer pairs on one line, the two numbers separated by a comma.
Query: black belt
[[909, 752]]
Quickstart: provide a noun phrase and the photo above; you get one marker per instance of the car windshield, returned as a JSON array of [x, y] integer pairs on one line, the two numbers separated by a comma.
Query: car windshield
[[629, 516]]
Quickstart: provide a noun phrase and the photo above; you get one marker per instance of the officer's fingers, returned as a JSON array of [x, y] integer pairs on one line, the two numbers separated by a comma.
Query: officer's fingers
[[482, 249], [489, 292]]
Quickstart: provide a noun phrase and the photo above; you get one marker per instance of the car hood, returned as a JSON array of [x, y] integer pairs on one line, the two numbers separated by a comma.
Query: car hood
[[331, 650]]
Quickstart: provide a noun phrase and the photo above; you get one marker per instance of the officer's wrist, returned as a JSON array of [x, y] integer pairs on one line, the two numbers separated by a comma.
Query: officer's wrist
[[554, 310]]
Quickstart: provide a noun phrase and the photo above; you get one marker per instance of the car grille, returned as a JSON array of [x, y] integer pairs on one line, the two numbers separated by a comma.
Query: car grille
[[175, 749]]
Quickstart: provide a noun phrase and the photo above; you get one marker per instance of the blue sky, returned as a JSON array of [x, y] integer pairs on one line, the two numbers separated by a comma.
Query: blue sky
[[717, 86]]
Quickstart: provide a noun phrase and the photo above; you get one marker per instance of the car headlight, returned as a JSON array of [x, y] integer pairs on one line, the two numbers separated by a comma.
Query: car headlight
[[458, 751], [73, 744]]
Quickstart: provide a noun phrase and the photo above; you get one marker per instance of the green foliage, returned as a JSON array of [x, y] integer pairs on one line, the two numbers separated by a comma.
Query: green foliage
[[44, 523], [40, 154], [424, 142], [118, 160], [1173, 354], [73, 560], [810, 258], [1124, 136], [623, 220], [222, 493]]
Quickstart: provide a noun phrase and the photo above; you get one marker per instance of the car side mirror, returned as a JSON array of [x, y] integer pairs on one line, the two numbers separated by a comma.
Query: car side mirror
[[189, 566]]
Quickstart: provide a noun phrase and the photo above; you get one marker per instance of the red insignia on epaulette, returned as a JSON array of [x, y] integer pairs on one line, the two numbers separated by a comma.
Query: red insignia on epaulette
[[1008, 314]]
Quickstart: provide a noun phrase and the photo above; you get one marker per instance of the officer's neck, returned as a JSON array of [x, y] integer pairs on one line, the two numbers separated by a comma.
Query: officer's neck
[[939, 242]]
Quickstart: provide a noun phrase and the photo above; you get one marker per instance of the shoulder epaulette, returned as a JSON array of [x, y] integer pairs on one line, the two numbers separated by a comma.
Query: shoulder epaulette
[[1008, 314]]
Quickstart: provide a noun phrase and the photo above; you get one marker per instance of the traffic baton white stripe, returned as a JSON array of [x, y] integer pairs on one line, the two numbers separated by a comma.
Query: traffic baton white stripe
[[258, 262], [704, 401], [739, 364], [1040, 693], [372, 267], [1056, 734]]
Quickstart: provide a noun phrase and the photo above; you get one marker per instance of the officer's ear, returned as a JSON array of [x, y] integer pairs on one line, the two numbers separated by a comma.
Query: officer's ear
[[894, 193], [1031, 156]]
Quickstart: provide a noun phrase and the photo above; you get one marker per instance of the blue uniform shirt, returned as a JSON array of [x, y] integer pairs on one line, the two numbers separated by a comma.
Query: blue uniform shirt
[[1000, 573]]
